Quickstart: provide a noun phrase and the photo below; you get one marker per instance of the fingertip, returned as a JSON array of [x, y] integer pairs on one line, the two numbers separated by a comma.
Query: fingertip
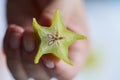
[[29, 46], [15, 28], [28, 41], [13, 36], [44, 21], [49, 61]]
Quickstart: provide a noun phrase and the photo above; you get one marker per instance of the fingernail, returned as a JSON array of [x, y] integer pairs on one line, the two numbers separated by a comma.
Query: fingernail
[[14, 40], [48, 64], [44, 21], [28, 43], [31, 78]]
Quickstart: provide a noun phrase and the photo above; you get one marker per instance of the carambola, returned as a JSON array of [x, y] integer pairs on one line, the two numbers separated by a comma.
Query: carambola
[[55, 39]]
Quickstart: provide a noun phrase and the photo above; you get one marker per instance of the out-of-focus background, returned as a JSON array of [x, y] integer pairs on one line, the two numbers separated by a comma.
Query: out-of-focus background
[[103, 17]]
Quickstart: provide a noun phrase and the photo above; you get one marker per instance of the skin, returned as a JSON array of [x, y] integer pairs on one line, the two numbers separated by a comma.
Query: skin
[[20, 44]]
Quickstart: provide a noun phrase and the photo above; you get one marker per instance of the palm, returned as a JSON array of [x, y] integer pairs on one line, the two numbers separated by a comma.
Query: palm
[[20, 61]]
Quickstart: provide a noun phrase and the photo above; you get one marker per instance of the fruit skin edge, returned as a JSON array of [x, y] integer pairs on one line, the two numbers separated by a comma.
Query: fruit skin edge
[[79, 37]]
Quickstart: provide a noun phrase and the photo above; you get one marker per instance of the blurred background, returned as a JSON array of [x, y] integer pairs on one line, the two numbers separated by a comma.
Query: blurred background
[[103, 17]]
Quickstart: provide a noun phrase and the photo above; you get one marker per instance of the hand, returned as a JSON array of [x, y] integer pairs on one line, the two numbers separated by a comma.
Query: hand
[[20, 45]]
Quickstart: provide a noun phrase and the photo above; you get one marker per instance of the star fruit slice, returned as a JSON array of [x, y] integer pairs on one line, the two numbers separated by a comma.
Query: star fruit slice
[[55, 39]]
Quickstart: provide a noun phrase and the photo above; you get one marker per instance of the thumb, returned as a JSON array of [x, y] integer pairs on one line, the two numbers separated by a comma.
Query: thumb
[[48, 11]]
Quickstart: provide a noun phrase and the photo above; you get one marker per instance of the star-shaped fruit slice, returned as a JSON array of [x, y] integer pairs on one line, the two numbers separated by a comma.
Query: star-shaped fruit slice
[[55, 39]]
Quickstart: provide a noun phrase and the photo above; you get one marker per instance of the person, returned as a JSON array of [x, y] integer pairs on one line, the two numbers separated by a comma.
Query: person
[[20, 44]]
